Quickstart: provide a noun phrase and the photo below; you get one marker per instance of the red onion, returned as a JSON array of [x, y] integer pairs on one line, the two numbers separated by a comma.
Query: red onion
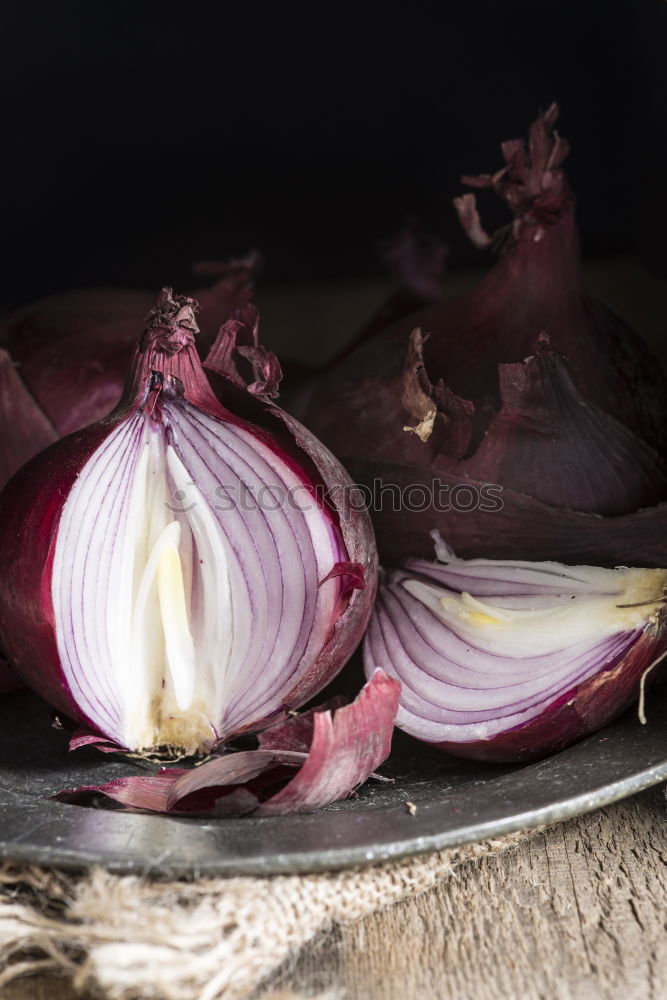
[[526, 383], [73, 349], [512, 660], [188, 567]]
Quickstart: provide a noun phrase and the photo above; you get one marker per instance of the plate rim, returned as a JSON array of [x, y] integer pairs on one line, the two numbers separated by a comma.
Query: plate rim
[[559, 807]]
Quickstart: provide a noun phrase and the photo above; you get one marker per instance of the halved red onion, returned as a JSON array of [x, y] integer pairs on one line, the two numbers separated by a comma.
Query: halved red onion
[[511, 660], [180, 571]]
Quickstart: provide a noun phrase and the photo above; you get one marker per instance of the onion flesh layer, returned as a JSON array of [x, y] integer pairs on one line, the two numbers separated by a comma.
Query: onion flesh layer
[[170, 604]]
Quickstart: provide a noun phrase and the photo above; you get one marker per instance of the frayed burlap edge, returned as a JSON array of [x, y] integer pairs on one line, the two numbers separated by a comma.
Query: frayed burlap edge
[[125, 937]]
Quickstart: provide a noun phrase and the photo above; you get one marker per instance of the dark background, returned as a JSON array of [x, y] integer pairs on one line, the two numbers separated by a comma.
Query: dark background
[[136, 140]]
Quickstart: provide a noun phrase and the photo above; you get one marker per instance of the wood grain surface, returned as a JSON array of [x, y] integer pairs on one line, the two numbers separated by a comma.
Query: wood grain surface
[[575, 913]]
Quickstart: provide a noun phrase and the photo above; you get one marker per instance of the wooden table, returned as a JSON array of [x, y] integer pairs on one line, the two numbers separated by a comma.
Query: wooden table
[[576, 913]]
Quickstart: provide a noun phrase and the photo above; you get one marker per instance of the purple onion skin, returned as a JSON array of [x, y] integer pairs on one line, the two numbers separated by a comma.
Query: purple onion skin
[[575, 714], [32, 502], [337, 753], [74, 349]]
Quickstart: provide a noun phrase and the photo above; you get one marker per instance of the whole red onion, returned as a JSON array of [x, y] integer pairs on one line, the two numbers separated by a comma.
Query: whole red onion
[[191, 565], [73, 349], [526, 384]]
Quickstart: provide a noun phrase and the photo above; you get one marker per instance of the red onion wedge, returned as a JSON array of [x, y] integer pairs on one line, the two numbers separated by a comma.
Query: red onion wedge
[[189, 567], [73, 349], [335, 749], [510, 660]]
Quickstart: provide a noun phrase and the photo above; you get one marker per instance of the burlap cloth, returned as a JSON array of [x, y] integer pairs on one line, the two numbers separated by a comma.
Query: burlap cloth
[[214, 939]]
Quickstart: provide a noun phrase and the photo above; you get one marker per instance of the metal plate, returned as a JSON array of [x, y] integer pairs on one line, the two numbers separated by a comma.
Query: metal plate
[[457, 802]]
